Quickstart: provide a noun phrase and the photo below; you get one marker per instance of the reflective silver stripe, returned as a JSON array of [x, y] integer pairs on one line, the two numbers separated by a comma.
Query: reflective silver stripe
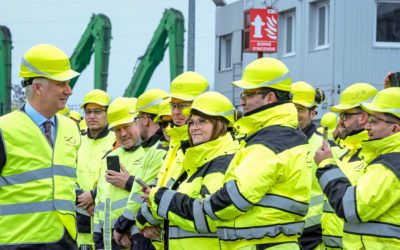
[[119, 203], [96, 228], [208, 209], [101, 223], [332, 241], [313, 220], [64, 171], [274, 81], [330, 175], [39, 72], [153, 103], [328, 208], [349, 206], [107, 225], [170, 183], [100, 206], [134, 230], [229, 112], [316, 200], [284, 203], [37, 207], [154, 182], [373, 228], [136, 198], [177, 233], [200, 220], [164, 203], [260, 232], [82, 211], [37, 174], [129, 215], [236, 197], [148, 216]]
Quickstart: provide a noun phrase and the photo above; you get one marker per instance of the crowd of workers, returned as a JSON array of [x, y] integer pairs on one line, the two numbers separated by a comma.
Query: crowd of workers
[[215, 177]]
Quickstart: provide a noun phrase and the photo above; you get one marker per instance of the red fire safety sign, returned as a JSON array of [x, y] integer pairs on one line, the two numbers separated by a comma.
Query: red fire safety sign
[[263, 30]]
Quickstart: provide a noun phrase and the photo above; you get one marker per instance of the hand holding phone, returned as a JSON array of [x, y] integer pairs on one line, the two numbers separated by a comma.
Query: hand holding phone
[[113, 163]]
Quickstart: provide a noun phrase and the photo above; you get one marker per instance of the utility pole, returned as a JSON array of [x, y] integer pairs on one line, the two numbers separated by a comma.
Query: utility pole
[[191, 35]]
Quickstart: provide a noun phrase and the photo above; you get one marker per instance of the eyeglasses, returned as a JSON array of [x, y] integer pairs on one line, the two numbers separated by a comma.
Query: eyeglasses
[[180, 105], [374, 120], [164, 124], [140, 116], [94, 111], [199, 123], [245, 95], [345, 115]]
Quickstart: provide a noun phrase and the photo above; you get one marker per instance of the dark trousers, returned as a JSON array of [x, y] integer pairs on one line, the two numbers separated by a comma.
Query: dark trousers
[[66, 243]]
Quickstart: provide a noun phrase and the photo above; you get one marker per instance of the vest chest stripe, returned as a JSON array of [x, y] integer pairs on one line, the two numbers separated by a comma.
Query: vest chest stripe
[[38, 174], [35, 207]]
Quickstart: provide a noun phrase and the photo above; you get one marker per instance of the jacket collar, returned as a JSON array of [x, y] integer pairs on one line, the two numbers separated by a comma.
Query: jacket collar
[[157, 136], [373, 148], [284, 114], [103, 133], [354, 140], [197, 156], [310, 130]]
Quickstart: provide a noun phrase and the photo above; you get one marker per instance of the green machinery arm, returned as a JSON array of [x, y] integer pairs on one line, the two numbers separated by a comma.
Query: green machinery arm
[[171, 27], [96, 37], [5, 70]]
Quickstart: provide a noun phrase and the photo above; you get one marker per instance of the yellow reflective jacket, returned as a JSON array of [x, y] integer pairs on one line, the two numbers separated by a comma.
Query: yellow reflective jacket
[[267, 186], [205, 166], [371, 207], [37, 195], [353, 167], [89, 158], [111, 200]]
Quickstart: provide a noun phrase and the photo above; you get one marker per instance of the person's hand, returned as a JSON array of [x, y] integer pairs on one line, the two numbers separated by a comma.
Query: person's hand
[[386, 82], [146, 192], [151, 232], [122, 239], [85, 200], [90, 210], [324, 152], [126, 241], [117, 179]]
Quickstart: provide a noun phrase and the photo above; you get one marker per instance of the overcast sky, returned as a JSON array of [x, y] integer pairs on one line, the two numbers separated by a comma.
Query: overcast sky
[[62, 23]]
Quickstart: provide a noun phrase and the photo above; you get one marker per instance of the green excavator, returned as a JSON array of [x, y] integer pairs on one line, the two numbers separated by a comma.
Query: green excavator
[[96, 39]]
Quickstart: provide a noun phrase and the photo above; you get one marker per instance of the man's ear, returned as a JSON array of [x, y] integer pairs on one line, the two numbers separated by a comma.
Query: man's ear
[[396, 128], [271, 97], [313, 113]]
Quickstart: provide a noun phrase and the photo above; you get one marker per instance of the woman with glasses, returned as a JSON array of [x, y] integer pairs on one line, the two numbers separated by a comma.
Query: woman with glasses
[[212, 149]]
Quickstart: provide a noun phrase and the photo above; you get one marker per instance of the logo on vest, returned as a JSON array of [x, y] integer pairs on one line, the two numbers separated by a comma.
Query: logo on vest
[[70, 141]]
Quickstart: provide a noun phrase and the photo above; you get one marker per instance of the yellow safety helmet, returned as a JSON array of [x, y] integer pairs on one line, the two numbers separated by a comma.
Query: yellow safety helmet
[[265, 72], [96, 96], [83, 125], [353, 95], [188, 85], [64, 111], [385, 101], [121, 111], [75, 115], [163, 109], [214, 104], [329, 120], [45, 60], [150, 100], [305, 95]]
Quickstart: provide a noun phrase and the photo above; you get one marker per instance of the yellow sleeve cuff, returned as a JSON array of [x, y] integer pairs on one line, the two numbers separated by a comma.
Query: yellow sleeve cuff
[[326, 162]]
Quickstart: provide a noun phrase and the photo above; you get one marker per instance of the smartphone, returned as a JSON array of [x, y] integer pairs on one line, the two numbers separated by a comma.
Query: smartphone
[[113, 163], [395, 79], [325, 135], [141, 183]]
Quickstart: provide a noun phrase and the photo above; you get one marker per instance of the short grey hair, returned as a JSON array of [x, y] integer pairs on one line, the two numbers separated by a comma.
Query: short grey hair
[[39, 80]]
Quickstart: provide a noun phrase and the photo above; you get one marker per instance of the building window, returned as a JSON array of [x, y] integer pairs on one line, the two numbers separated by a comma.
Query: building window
[[322, 24], [289, 33], [387, 22], [319, 24], [225, 52]]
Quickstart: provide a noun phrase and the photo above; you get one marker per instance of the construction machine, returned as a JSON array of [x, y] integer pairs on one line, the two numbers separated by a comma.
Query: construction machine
[[169, 34]]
